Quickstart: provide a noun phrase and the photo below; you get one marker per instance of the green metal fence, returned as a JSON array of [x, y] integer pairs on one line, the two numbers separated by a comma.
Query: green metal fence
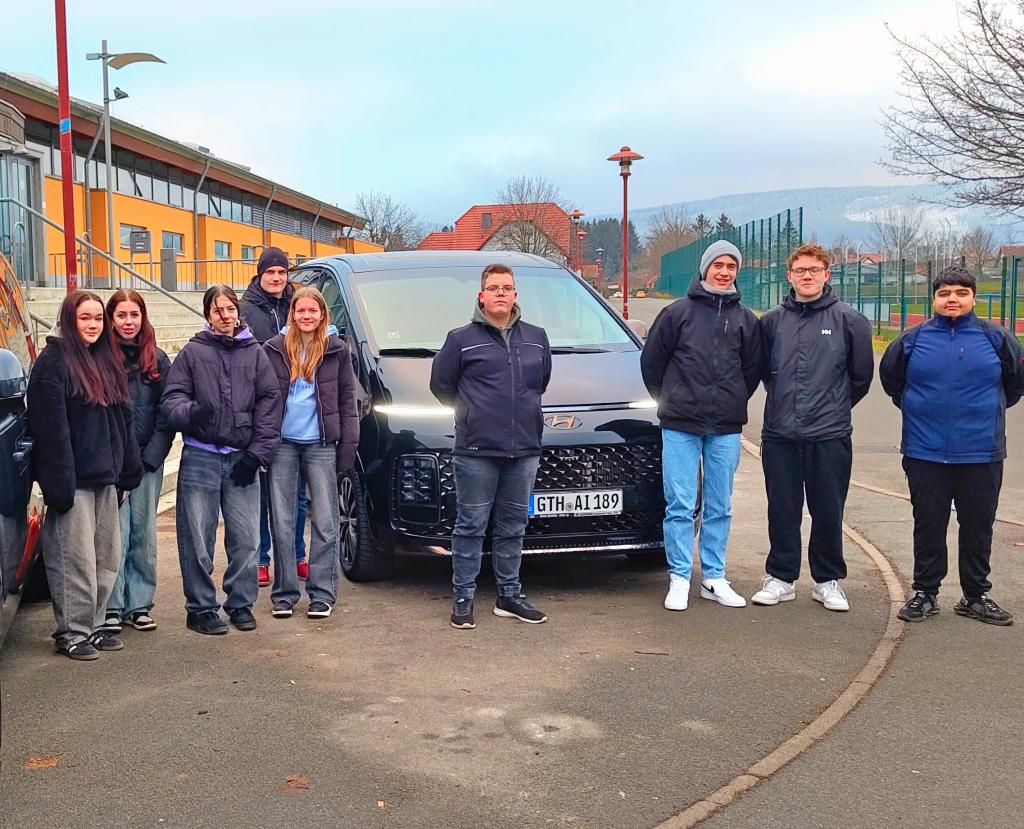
[[765, 245]]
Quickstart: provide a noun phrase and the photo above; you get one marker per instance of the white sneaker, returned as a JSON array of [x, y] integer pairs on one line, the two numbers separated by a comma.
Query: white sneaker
[[830, 594], [773, 591], [719, 590], [678, 597]]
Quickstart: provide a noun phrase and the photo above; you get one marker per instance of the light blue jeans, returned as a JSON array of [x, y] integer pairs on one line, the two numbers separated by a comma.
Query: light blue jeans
[[136, 580], [681, 457]]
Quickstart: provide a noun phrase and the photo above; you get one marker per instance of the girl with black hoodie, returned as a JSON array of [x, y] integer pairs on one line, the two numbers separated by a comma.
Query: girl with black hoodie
[[132, 598], [85, 459]]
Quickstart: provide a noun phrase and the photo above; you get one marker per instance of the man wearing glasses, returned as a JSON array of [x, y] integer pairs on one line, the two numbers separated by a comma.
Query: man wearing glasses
[[819, 364], [493, 371]]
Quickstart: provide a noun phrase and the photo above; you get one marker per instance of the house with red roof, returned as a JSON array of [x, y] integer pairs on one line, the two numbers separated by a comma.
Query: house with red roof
[[543, 228]]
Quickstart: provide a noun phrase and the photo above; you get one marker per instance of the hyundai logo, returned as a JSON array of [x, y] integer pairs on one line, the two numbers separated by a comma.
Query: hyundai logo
[[563, 422]]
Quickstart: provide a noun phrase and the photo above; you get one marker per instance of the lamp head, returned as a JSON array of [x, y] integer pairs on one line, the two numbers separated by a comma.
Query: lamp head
[[119, 94]]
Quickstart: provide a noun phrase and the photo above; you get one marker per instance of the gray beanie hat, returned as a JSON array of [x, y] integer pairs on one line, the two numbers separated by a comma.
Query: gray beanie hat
[[716, 249]]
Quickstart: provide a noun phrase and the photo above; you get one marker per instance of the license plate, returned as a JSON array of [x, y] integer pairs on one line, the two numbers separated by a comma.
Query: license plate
[[583, 502]]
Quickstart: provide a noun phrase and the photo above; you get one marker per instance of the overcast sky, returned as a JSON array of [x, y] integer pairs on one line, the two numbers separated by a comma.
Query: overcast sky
[[439, 102]]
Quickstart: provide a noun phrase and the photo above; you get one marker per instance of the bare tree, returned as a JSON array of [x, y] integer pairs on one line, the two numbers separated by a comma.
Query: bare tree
[[389, 223], [530, 224], [670, 228], [979, 248], [841, 248], [961, 122], [897, 230]]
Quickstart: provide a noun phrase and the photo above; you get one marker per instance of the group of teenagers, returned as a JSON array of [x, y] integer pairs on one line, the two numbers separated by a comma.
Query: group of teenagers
[[266, 409], [264, 399]]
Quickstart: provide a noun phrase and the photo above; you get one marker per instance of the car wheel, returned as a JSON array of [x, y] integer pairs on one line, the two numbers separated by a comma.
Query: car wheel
[[361, 558]]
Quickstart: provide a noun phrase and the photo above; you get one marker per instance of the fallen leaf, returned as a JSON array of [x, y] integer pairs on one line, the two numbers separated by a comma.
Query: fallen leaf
[[280, 653], [42, 762], [294, 784], [623, 795], [381, 804], [291, 681]]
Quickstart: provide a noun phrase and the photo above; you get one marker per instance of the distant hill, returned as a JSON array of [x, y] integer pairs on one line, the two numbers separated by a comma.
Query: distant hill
[[829, 211]]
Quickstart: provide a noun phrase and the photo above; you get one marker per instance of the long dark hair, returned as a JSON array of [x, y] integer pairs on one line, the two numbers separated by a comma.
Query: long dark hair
[[146, 338], [96, 371]]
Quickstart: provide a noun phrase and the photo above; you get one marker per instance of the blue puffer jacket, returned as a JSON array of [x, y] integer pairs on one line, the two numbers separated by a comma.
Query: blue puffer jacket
[[953, 380], [495, 380]]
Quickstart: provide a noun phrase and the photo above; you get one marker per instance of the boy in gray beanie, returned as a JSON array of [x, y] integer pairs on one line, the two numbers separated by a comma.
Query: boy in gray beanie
[[702, 381]]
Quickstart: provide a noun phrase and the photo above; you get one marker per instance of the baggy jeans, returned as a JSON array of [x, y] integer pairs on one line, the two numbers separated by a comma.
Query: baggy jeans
[[205, 490], [316, 463], [82, 556], [681, 457], [136, 580], [483, 486]]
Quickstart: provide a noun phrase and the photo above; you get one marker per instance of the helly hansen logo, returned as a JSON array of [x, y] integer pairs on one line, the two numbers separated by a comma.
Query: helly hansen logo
[[826, 331]]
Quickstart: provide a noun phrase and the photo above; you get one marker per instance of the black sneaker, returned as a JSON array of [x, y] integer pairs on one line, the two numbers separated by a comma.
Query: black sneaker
[[462, 614], [207, 622], [920, 607], [82, 650], [112, 623], [318, 610], [984, 610], [282, 610], [141, 620], [242, 618], [516, 607], [104, 640]]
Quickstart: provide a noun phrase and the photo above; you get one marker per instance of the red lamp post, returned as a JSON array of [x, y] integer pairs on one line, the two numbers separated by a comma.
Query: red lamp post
[[574, 221], [67, 165], [625, 157]]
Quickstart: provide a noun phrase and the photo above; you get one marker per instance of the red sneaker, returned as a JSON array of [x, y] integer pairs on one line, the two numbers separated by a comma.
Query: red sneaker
[[263, 575], [302, 568]]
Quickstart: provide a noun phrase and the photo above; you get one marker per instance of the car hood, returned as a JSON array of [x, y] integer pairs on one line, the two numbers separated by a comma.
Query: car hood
[[576, 379]]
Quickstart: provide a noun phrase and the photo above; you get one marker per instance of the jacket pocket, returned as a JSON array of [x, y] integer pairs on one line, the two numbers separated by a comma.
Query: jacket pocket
[[531, 365]]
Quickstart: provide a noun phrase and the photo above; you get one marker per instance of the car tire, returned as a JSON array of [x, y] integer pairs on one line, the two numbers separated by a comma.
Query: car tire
[[361, 558]]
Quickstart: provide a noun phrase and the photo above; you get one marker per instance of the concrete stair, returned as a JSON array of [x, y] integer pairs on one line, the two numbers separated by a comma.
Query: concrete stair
[[174, 325]]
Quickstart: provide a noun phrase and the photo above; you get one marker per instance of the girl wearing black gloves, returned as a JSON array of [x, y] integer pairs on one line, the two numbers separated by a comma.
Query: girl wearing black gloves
[[132, 598], [222, 396], [85, 460]]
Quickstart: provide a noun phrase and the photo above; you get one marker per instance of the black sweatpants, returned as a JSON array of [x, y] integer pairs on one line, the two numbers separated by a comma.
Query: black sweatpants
[[822, 470], [974, 488]]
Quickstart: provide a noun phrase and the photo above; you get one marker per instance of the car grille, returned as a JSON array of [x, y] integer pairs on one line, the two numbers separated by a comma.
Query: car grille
[[636, 466]]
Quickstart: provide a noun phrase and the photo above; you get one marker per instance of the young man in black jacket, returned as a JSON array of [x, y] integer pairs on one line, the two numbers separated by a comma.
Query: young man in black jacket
[[493, 371], [701, 362], [819, 366]]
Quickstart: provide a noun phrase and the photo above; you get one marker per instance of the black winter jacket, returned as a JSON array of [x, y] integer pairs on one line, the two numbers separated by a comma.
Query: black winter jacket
[[221, 390], [819, 365], [702, 360], [335, 395], [78, 445], [153, 434], [495, 386], [265, 315]]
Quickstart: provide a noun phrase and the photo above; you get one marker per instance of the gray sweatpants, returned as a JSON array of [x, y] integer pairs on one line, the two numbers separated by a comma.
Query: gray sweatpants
[[82, 552]]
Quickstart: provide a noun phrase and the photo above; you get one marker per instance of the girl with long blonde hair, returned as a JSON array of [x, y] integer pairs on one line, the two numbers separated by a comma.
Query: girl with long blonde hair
[[319, 436]]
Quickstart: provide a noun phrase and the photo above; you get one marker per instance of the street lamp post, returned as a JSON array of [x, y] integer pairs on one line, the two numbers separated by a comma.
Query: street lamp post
[[116, 61], [581, 236], [574, 227], [625, 157]]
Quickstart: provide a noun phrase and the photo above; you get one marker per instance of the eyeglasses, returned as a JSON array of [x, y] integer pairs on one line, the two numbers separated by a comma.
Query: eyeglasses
[[500, 289], [817, 270]]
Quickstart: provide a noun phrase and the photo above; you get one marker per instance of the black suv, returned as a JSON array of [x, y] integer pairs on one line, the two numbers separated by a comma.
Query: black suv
[[19, 527], [599, 487]]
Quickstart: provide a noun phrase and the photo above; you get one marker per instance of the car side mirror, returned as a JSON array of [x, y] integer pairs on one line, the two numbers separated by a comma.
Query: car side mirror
[[638, 327], [13, 383]]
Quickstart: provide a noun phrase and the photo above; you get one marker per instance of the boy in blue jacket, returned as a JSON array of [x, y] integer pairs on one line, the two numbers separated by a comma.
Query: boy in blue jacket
[[950, 372]]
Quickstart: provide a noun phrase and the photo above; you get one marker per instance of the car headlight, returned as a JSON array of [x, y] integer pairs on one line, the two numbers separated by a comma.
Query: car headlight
[[644, 404], [416, 411]]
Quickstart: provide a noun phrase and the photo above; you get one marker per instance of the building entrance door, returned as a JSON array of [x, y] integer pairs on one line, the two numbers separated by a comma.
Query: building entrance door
[[18, 176]]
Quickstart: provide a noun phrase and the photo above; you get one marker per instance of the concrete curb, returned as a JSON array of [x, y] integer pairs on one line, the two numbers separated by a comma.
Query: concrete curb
[[888, 492], [828, 719]]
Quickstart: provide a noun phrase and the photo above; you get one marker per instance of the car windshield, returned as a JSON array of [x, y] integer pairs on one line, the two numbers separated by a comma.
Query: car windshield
[[409, 312]]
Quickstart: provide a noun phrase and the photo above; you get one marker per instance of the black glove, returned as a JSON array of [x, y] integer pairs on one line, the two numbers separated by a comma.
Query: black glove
[[243, 473]]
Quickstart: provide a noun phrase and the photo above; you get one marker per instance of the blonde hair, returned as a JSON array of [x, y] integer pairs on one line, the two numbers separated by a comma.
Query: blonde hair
[[300, 366]]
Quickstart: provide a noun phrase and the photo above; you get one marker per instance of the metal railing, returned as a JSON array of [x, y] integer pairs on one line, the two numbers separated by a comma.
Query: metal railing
[[115, 279]]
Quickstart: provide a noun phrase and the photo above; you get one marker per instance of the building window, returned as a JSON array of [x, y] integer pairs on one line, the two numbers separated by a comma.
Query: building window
[[174, 241], [486, 221], [126, 234], [249, 253], [221, 250]]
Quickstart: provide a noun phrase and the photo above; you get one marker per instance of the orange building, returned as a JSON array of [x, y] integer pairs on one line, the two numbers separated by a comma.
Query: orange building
[[210, 217]]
